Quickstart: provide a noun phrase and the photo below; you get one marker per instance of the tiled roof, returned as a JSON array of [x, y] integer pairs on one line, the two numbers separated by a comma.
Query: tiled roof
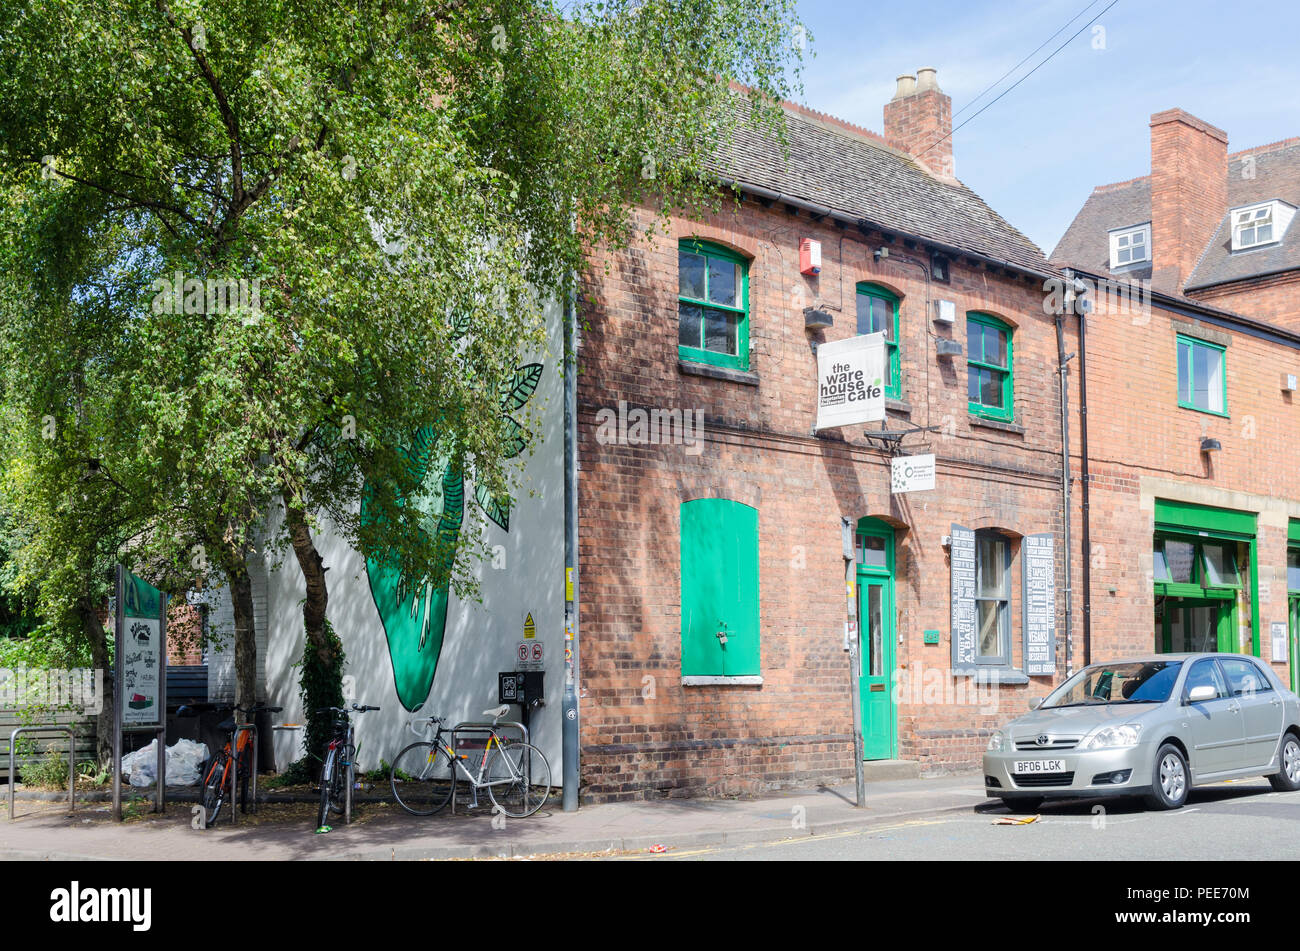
[[1276, 175], [1086, 243], [853, 172]]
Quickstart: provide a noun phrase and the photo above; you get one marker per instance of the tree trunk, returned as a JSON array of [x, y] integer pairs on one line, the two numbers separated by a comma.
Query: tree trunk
[[100, 660], [241, 598], [313, 572]]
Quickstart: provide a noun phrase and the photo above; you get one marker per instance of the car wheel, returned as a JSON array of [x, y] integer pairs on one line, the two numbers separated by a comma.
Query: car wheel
[[1288, 779], [1023, 803], [1170, 779]]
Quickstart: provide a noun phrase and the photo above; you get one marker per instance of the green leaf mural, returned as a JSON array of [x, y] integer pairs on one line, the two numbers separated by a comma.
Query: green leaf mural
[[414, 615]]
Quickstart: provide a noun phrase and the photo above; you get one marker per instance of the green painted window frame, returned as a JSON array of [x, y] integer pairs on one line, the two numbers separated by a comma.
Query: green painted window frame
[[1192, 343], [1205, 521], [740, 359], [1197, 587], [1006, 412], [894, 388]]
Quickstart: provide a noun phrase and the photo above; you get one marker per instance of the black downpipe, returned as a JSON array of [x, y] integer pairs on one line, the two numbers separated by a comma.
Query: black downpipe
[[1087, 487]]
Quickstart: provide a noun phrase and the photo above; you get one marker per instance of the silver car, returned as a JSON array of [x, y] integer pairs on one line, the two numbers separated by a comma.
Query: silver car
[[1150, 727]]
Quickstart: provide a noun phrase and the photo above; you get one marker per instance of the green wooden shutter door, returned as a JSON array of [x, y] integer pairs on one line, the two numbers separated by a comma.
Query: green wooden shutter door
[[719, 588]]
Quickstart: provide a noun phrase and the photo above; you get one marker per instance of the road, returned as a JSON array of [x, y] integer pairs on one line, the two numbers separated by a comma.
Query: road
[[1238, 821]]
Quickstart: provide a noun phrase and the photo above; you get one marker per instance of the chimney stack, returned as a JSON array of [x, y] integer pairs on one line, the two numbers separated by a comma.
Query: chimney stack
[[1189, 194], [918, 121]]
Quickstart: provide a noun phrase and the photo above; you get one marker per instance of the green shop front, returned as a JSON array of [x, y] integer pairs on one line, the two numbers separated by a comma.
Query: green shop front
[[1205, 572]]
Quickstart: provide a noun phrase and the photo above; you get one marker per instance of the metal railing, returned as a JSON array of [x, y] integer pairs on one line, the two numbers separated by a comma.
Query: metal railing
[[479, 727], [72, 761], [234, 770]]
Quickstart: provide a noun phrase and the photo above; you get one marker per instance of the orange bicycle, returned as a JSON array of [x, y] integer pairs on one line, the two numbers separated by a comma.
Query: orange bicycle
[[216, 782]]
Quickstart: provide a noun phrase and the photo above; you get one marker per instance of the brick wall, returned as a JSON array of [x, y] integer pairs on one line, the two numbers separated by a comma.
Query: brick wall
[[644, 734], [1189, 193], [1275, 299], [1144, 447]]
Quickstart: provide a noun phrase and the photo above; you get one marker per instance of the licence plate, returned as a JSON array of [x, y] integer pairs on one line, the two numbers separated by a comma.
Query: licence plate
[[1026, 767]]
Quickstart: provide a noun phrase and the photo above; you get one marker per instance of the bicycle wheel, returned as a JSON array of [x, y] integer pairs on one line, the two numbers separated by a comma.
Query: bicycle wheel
[[214, 790], [342, 779], [422, 779], [519, 778], [328, 779]]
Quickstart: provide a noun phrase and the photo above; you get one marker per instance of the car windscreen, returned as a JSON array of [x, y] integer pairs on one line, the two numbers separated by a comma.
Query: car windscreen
[[1138, 682]]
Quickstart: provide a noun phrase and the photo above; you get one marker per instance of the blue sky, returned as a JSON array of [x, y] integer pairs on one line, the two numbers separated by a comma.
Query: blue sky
[[1082, 119]]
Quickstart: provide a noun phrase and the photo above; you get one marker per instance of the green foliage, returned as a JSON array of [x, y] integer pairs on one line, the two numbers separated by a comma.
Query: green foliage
[[320, 683], [49, 771], [301, 772], [248, 249]]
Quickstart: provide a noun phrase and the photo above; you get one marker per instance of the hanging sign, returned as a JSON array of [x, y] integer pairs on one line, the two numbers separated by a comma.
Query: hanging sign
[[851, 381], [911, 474], [1038, 556]]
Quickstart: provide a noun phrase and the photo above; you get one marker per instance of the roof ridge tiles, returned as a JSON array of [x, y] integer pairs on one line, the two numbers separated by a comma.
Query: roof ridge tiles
[[1267, 147], [1117, 185]]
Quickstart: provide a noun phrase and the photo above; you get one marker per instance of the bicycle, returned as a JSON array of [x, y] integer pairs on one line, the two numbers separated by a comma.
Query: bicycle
[[217, 778], [423, 775], [339, 771]]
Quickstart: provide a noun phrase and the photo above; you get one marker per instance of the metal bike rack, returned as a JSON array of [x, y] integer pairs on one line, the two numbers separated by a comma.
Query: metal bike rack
[[72, 764], [479, 727], [234, 769]]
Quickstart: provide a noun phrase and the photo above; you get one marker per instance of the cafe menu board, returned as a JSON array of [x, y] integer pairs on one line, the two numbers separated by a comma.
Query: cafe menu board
[[1038, 556], [962, 554]]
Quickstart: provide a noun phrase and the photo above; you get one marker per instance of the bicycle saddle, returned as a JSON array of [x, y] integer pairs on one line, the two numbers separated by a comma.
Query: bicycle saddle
[[227, 724], [497, 712]]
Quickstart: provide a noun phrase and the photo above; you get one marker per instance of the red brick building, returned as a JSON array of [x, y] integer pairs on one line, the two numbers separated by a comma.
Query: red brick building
[[1186, 506], [712, 537]]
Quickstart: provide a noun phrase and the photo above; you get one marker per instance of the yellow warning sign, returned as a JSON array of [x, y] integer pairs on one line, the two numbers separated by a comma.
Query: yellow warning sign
[[530, 629]]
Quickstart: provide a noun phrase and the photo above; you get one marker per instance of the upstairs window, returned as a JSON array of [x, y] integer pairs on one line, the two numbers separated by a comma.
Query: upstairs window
[[1130, 246], [877, 312], [1202, 380], [989, 387], [1253, 226], [712, 305]]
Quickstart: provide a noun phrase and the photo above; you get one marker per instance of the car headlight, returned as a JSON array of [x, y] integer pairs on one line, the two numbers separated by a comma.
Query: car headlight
[[996, 741], [1107, 737]]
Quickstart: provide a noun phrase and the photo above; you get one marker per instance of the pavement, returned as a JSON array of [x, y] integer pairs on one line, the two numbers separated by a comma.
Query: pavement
[[44, 830]]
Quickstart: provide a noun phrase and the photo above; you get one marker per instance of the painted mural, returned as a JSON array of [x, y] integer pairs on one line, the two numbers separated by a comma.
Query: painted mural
[[416, 649], [414, 615]]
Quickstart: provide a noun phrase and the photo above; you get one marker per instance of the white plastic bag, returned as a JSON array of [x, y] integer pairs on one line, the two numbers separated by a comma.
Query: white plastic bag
[[185, 760]]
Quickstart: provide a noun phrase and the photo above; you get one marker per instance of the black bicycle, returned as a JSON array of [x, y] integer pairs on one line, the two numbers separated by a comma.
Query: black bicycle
[[338, 774]]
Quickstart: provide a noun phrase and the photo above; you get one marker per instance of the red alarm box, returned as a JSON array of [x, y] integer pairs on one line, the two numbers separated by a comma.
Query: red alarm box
[[810, 256]]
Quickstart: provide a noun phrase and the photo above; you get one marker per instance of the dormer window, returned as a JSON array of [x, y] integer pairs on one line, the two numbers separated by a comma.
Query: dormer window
[[1130, 246], [1252, 226], [1260, 224]]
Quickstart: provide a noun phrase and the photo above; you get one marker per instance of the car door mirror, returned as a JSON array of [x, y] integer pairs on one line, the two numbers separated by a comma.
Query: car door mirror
[[1035, 703], [1202, 693]]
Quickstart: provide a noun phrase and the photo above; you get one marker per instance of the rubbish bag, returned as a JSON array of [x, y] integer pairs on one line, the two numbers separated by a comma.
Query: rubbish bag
[[185, 759]]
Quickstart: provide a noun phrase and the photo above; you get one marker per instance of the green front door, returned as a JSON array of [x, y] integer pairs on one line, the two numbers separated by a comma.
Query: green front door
[[1198, 624], [1294, 605], [875, 558]]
